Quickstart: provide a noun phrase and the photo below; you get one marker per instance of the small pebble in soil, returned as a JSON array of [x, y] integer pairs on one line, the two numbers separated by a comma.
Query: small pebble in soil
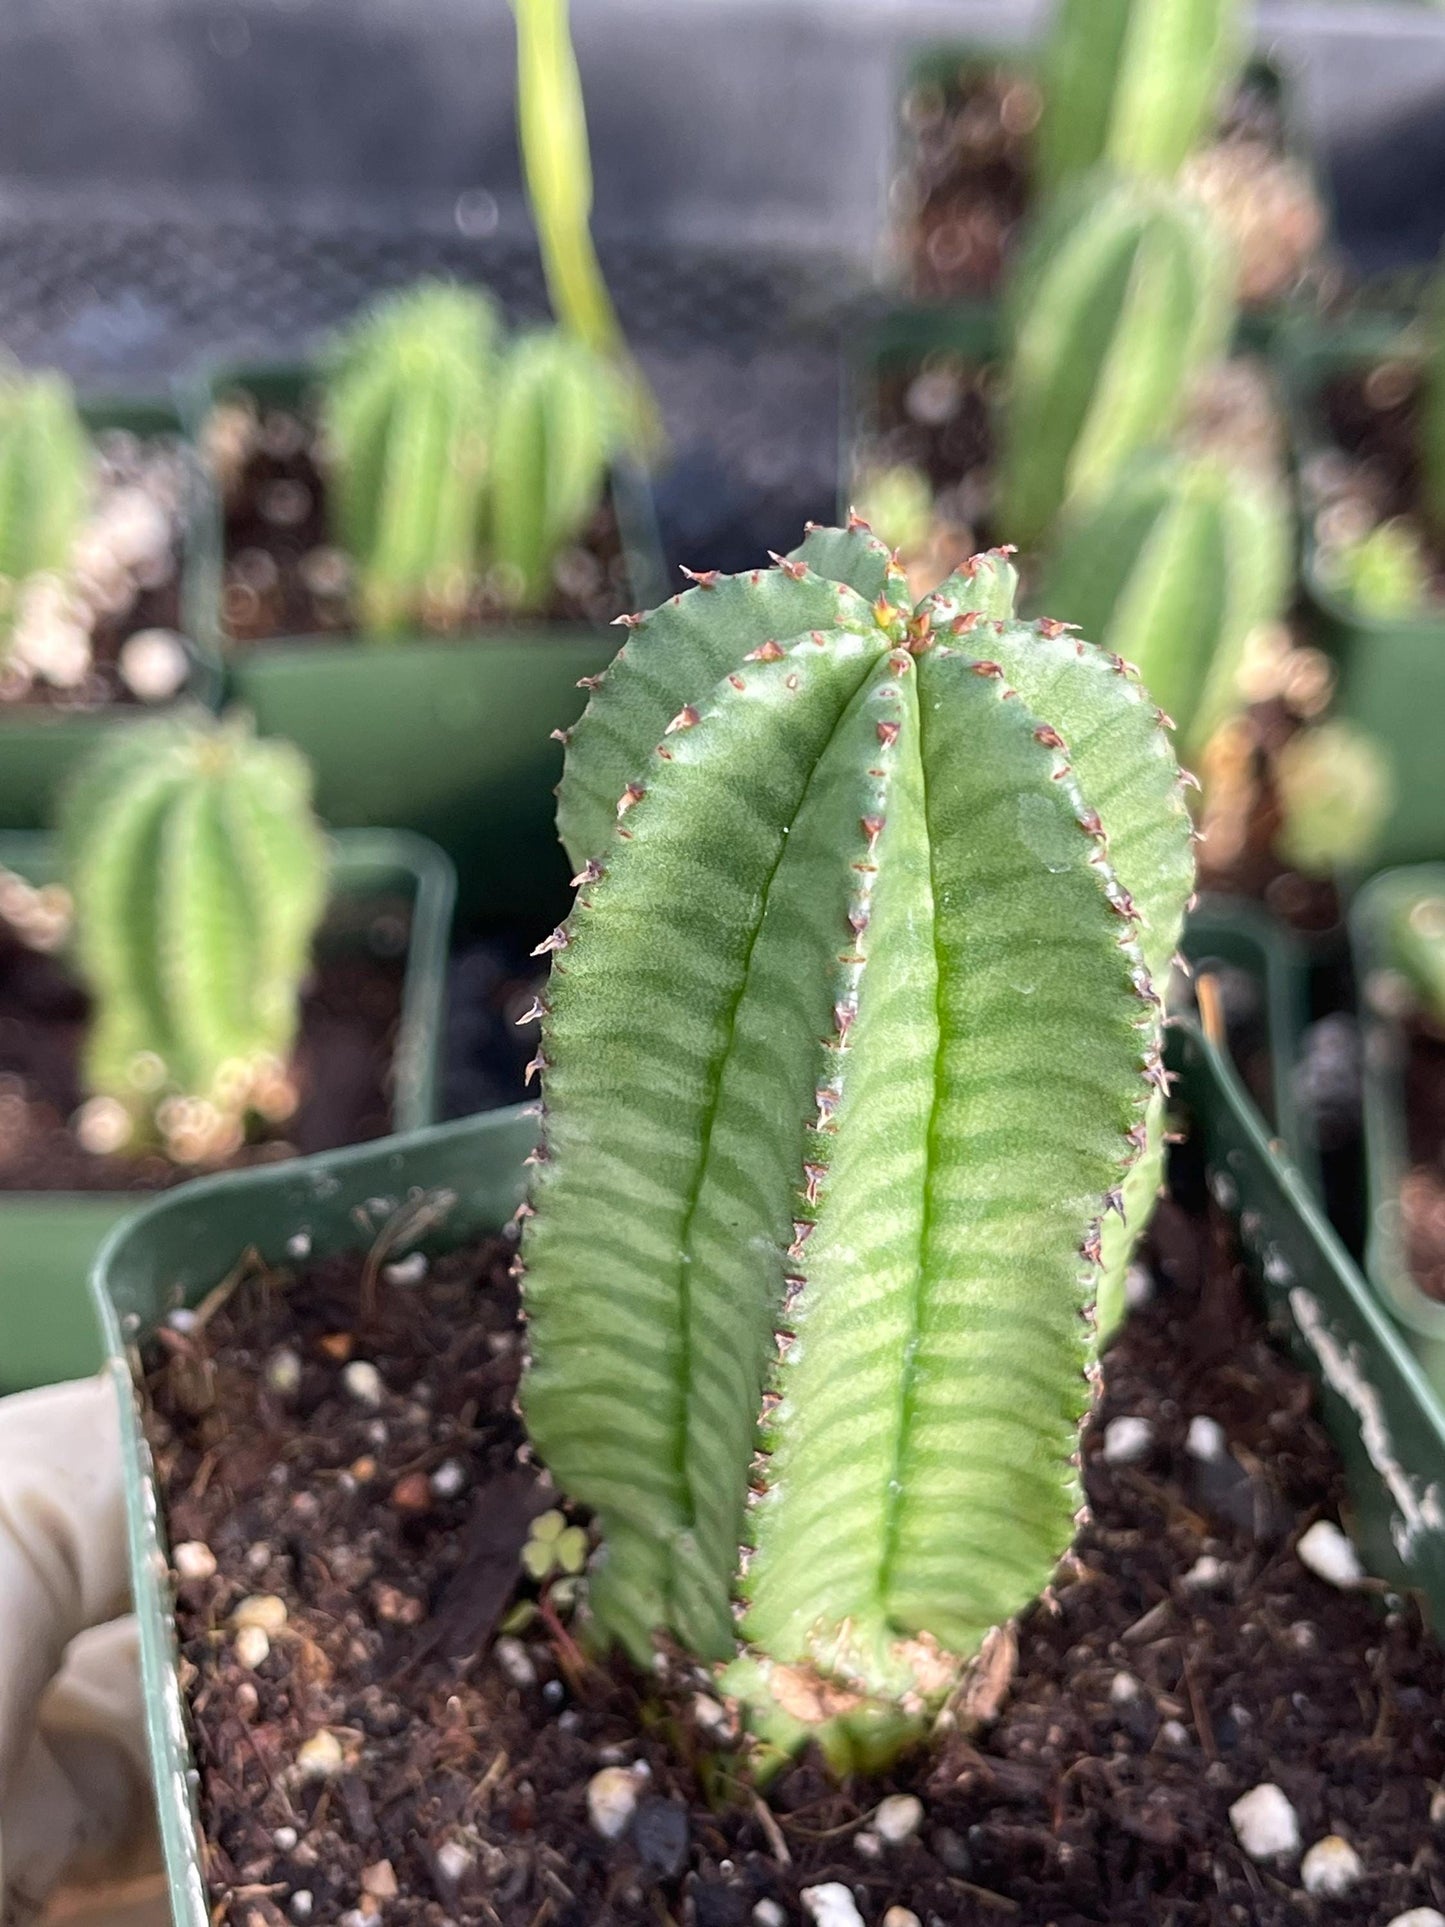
[[1437, 1807], [298, 1245], [364, 1382], [1124, 1689], [1418, 1917], [710, 1716], [283, 1372], [660, 1834], [831, 1905], [1265, 1823], [515, 1661], [1330, 1868], [1206, 1439], [302, 1904], [153, 664], [768, 1913], [901, 1917], [264, 1609], [320, 1757], [406, 1271], [612, 1801], [898, 1817], [412, 1493], [379, 1880], [1127, 1440], [453, 1861], [193, 1559], [252, 1647], [867, 1844], [1329, 1555], [1207, 1574], [1138, 1286], [285, 1838], [1174, 1734], [449, 1479]]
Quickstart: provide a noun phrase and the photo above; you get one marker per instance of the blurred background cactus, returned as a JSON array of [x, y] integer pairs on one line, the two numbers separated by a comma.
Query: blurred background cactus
[[1133, 83], [197, 874], [1123, 295], [1383, 573], [1415, 946], [45, 484], [407, 411], [1334, 791], [1174, 567]]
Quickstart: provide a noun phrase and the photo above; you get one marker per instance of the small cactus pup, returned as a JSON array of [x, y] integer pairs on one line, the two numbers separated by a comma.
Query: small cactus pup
[[1133, 83], [197, 874], [407, 407], [560, 420], [1123, 295], [45, 484], [1174, 567], [810, 1314]]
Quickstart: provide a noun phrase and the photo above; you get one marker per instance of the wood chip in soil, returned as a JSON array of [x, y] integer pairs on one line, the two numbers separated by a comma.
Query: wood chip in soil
[[386, 1513]]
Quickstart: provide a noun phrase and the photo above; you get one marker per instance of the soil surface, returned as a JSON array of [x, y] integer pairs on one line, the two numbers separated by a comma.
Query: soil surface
[[1422, 1194], [284, 577], [1185, 1657], [349, 1016], [966, 187]]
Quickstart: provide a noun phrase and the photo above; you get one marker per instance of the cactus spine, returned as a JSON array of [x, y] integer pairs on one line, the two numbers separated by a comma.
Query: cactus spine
[[407, 413], [558, 421], [198, 877], [1123, 294], [45, 472], [1173, 568], [809, 1320], [1132, 83]]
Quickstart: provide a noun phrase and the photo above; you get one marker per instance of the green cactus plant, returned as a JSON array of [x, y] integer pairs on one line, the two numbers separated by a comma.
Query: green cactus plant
[[197, 873], [1415, 944], [559, 421], [1384, 574], [1133, 83], [45, 478], [407, 407], [1334, 789], [1123, 293], [888, 894], [1173, 567]]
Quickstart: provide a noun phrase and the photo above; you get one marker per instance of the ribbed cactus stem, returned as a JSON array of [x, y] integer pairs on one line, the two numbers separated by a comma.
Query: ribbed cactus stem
[[1174, 567], [198, 875], [559, 421], [45, 480], [810, 1317], [1415, 946], [1133, 83], [1122, 296], [407, 408]]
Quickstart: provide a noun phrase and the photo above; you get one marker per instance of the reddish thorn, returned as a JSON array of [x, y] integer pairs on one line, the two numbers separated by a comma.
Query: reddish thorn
[[961, 625], [737, 682], [1164, 719], [1138, 1135], [1114, 1201], [1091, 1247], [1048, 736], [1049, 627], [888, 734], [813, 1176], [872, 829], [562, 736], [1190, 780], [1005, 549], [590, 872], [526, 1209], [589, 682], [533, 1013], [844, 1016], [629, 622], [793, 1283], [857, 920], [827, 1103], [704, 578], [797, 570], [802, 1231], [856, 521], [558, 940], [987, 668], [1122, 904], [686, 718], [1117, 662], [768, 652], [1090, 822], [634, 793], [535, 1068], [539, 1156]]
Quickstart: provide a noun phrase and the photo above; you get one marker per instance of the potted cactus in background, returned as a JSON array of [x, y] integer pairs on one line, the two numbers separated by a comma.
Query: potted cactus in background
[[474, 497], [1155, 90], [95, 510], [808, 1323], [177, 997]]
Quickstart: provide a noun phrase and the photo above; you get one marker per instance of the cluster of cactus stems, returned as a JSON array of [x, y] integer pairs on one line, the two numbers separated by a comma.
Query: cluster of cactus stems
[[1174, 567], [1122, 296], [1132, 84], [45, 481], [197, 874], [811, 1319], [457, 457]]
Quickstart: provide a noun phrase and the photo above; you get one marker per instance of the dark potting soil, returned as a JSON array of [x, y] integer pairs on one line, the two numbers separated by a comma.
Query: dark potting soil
[[491, 982], [284, 577], [1373, 417], [444, 1773], [349, 1016], [1422, 1196], [966, 188]]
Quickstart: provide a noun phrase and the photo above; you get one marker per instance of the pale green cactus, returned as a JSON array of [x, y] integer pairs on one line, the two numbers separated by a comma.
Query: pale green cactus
[[1415, 945], [407, 409], [45, 481], [559, 422], [1123, 294], [1334, 789], [896, 502], [1383, 574], [1174, 567], [197, 873], [888, 893], [1133, 83]]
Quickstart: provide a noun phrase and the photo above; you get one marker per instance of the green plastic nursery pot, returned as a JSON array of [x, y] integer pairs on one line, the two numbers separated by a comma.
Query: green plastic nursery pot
[[1391, 673], [1387, 1159], [48, 1238], [179, 1246], [40, 745], [448, 737]]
